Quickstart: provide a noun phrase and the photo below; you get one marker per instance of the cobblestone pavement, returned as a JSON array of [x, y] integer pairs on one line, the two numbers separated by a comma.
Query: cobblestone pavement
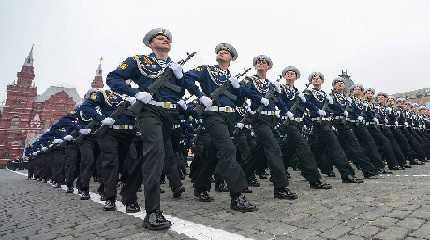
[[391, 207]]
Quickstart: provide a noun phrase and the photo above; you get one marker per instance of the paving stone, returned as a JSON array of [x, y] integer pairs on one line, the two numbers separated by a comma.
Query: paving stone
[[411, 223], [422, 232], [335, 232], [392, 233], [366, 231], [384, 222]]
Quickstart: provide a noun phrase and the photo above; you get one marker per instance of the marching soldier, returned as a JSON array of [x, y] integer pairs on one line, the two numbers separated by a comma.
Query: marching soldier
[[324, 142], [218, 119], [155, 120]]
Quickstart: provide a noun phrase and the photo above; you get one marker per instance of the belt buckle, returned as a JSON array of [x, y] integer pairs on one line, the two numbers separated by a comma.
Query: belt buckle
[[167, 105], [228, 109]]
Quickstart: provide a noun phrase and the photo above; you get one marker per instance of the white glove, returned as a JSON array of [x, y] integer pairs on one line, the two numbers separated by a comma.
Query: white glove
[[68, 138], [44, 149], [34, 154], [58, 141], [346, 113], [322, 113], [330, 99], [277, 114], [177, 70], [349, 100], [131, 100], [389, 109], [277, 86], [84, 131], [386, 120], [264, 101], [50, 145], [108, 121], [360, 118], [144, 97], [396, 123], [302, 96], [290, 115], [183, 104], [376, 120], [234, 82], [406, 124], [240, 125], [206, 101]]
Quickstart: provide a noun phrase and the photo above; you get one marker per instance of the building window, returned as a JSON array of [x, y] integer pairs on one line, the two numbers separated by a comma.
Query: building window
[[14, 122]]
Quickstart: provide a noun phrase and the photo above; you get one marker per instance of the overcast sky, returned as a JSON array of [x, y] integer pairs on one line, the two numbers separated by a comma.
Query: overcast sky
[[383, 44]]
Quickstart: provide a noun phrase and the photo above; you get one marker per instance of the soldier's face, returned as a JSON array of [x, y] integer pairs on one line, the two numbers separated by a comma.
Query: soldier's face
[[339, 86], [381, 99], [161, 43], [290, 76], [223, 56], [357, 92], [391, 102], [262, 66], [317, 81], [369, 94]]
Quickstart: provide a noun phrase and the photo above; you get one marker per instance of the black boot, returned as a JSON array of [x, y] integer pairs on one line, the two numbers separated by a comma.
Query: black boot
[[102, 197], [352, 179], [330, 174], [85, 195], [178, 191], [156, 221], [109, 205], [241, 204], [320, 185], [69, 189], [247, 190], [203, 196], [284, 193], [132, 207]]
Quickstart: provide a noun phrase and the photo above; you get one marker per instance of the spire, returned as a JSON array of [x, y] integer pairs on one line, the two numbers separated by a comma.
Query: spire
[[98, 79], [29, 59], [99, 68]]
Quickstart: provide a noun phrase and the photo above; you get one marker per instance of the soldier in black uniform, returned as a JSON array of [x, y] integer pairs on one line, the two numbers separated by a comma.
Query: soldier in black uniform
[[324, 142], [219, 121], [155, 121]]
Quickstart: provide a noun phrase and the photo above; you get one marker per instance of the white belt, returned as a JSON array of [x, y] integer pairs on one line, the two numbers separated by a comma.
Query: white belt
[[292, 119], [247, 126], [227, 109], [339, 117], [166, 105], [122, 127], [370, 123], [270, 113], [321, 119], [176, 126]]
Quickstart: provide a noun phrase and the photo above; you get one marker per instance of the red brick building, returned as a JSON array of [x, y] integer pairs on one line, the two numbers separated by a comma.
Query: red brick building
[[25, 114]]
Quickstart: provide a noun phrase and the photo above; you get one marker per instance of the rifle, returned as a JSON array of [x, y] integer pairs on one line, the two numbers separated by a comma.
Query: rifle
[[122, 108], [222, 90], [161, 82]]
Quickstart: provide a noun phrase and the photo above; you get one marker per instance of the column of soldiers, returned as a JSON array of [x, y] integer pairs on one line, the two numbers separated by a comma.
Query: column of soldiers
[[127, 137]]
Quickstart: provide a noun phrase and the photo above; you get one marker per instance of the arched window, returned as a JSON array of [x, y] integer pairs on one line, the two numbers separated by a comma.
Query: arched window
[[14, 122]]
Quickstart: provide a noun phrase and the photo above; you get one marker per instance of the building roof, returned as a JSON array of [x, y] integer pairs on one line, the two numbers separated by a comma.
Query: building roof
[[52, 90]]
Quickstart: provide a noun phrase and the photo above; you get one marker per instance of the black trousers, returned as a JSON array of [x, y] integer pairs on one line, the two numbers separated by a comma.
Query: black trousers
[[384, 146], [295, 145], [72, 160], [155, 124], [114, 146], [58, 162], [328, 151], [404, 144], [246, 145], [352, 148], [369, 145], [396, 148], [219, 125], [89, 154], [204, 162], [415, 144], [263, 128]]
